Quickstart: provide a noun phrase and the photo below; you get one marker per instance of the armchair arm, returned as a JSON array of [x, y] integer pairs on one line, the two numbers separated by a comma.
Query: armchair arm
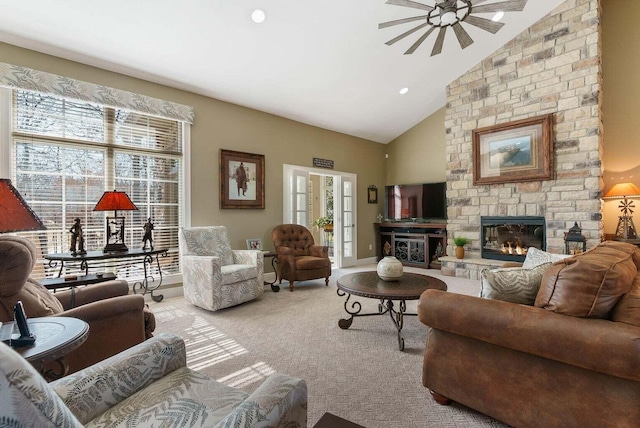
[[247, 257], [595, 344], [286, 258], [92, 293], [280, 401], [115, 324], [319, 251], [90, 392]]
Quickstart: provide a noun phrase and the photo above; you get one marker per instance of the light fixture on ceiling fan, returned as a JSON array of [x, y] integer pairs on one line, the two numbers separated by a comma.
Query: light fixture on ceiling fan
[[450, 13]]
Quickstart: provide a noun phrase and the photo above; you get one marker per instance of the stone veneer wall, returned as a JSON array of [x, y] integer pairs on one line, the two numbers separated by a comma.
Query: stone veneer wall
[[553, 67]]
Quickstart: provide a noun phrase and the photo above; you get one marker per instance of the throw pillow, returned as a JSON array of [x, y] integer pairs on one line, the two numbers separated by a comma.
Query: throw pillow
[[590, 284], [628, 308], [515, 285], [537, 257]]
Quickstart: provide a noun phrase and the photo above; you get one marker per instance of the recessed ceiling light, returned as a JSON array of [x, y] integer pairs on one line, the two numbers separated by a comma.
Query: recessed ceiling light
[[258, 16], [498, 16], [404, 91]]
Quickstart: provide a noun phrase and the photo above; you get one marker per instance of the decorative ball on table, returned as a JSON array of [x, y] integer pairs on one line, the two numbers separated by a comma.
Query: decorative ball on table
[[389, 269]]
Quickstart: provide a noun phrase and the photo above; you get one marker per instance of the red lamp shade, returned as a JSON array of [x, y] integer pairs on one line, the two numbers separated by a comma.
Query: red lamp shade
[[15, 213], [115, 201]]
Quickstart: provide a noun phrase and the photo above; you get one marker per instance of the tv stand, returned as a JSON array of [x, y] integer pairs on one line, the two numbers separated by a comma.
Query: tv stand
[[414, 244]]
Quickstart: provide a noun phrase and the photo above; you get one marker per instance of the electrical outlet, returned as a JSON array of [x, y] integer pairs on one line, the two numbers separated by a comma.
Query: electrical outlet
[[370, 247]]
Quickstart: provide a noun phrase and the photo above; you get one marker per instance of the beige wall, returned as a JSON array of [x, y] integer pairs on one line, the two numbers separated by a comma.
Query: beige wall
[[220, 125], [621, 99], [418, 155]]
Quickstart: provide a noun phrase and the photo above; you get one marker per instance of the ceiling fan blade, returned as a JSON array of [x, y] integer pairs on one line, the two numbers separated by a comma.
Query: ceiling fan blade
[[409, 3], [405, 34], [418, 42], [504, 6], [437, 47], [483, 23], [463, 37], [475, 2], [400, 21]]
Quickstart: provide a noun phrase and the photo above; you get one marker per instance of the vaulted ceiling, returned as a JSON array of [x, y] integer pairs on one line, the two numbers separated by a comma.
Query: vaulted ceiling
[[324, 63]]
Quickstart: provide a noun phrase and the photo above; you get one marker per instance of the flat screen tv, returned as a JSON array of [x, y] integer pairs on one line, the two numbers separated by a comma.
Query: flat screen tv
[[416, 201]]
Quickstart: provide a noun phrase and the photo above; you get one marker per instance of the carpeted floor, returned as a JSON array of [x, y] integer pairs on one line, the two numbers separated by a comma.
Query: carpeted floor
[[358, 374]]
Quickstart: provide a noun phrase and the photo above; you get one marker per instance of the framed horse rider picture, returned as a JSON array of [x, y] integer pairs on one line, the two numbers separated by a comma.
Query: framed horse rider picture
[[241, 180]]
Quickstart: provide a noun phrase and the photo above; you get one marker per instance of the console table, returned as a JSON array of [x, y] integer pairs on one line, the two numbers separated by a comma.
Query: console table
[[414, 244], [100, 259]]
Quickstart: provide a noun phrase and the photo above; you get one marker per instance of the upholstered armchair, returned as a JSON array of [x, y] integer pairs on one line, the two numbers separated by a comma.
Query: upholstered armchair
[[148, 385], [213, 275], [299, 258], [116, 320]]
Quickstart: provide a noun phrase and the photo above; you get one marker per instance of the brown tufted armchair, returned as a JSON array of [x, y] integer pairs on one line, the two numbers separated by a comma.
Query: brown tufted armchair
[[116, 320], [299, 259]]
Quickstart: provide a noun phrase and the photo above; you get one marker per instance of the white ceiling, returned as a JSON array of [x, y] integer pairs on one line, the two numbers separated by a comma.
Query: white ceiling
[[322, 62]]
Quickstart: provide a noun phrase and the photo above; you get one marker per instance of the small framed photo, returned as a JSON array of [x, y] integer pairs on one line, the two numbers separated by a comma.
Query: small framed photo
[[254, 244], [372, 195]]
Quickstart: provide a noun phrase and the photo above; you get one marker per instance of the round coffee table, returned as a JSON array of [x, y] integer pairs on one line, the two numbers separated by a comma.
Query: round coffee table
[[55, 338], [368, 284]]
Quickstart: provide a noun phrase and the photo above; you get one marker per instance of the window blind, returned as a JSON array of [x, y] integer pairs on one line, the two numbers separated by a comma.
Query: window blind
[[67, 153]]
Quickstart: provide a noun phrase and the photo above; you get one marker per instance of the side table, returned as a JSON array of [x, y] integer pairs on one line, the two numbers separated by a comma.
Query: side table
[[274, 265], [55, 338]]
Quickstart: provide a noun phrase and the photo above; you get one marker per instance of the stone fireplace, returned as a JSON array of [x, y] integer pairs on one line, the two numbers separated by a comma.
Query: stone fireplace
[[552, 67], [508, 238]]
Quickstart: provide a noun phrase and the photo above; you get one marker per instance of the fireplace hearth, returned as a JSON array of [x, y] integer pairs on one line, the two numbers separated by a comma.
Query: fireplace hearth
[[508, 238]]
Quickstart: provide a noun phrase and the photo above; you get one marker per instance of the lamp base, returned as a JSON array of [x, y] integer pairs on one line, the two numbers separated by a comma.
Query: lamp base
[[626, 229], [115, 248]]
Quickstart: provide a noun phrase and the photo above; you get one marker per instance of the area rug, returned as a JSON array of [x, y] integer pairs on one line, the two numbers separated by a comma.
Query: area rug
[[358, 374]]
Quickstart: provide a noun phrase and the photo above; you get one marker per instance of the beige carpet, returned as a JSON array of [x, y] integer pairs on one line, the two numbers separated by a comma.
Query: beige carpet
[[358, 374]]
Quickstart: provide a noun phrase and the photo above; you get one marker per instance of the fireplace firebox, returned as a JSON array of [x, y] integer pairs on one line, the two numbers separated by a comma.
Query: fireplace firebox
[[508, 238]]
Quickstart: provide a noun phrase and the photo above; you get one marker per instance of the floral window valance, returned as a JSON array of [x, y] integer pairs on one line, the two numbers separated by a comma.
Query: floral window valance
[[14, 76]]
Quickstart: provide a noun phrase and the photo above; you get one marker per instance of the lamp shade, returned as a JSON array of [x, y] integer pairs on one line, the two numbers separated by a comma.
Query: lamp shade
[[115, 201], [15, 213], [621, 190]]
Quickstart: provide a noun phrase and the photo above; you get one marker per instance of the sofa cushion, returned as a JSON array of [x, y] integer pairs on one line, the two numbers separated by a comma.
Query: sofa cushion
[[537, 257], [589, 284], [628, 308], [184, 397], [236, 273], [516, 285]]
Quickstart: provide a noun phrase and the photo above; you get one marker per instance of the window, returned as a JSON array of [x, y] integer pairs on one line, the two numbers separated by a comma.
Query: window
[[67, 153]]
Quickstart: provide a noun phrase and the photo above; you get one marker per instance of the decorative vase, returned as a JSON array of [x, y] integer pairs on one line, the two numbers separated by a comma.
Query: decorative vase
[[460, 252], [389, 269]]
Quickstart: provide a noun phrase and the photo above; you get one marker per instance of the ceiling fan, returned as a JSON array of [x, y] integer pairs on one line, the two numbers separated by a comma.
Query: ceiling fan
[[450, 13]]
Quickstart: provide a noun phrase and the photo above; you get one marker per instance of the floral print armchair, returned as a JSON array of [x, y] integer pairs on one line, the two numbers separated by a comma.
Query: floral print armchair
[[213, 275], [148, 385]]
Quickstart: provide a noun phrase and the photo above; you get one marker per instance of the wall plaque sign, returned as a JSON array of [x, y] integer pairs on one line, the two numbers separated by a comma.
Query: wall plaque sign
[[323, 163]]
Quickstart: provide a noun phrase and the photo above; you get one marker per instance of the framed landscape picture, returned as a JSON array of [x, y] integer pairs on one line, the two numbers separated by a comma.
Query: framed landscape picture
[[241, 180], [514, 151]]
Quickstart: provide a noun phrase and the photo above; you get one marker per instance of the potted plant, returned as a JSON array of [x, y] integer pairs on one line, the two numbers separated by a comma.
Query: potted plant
[[324, 223], [460, 242]]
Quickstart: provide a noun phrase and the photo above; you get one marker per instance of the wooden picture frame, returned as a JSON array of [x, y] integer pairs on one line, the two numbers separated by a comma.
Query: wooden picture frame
[[372, 195], [241, 180], [512, 152]]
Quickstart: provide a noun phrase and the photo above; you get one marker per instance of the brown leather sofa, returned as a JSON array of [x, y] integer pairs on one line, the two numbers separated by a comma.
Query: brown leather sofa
[[299, 259], [570, 360], [116, 320]]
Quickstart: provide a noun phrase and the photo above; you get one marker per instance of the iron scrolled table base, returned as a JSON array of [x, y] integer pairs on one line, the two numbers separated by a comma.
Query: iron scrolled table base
[[368, 284], [385, 306]]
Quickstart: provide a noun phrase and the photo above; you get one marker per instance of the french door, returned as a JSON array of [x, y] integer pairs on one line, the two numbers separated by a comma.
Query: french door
[[296, 191]]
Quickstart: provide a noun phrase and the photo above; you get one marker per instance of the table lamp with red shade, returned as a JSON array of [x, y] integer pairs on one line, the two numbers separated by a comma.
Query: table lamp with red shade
[[15, 213], [115, 201]]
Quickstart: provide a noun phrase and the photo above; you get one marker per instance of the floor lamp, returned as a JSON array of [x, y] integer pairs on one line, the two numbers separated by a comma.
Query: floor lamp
[[626, 229], [15, 213]]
